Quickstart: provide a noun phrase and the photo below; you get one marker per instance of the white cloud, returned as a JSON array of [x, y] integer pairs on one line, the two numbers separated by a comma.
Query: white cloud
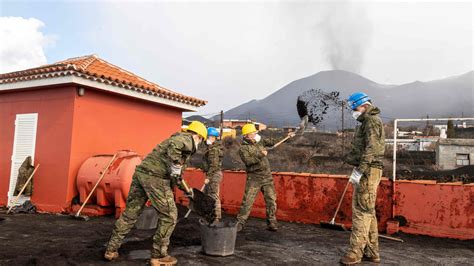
[[22, 43]]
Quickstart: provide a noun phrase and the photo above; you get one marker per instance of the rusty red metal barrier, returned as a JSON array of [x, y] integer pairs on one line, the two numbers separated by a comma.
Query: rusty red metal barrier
[[436, 209], [441, 210]]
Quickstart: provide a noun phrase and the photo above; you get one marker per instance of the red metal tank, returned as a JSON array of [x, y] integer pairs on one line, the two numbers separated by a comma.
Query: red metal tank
[[112, 191]]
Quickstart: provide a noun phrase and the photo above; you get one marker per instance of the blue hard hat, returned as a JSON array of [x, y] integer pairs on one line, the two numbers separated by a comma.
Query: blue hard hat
[[357, 99], [212, 131]]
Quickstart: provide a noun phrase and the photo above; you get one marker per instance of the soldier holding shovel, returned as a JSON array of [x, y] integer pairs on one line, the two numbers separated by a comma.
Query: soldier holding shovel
[[154, 179], [259, 176], [366, 155]]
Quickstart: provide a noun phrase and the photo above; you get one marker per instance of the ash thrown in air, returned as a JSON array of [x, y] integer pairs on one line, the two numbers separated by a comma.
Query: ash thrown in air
[[316, 103]]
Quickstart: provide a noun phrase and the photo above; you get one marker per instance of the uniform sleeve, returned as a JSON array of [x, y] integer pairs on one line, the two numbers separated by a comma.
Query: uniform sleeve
[[250, 158], [269, 141], [352, 158], [371, 135], [214, 156], [175, 151]]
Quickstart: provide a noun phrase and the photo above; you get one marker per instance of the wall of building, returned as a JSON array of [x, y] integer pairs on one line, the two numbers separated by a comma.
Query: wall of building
[[72, 128], [105, 123], [446, 155], [55, 111], [441, 210]]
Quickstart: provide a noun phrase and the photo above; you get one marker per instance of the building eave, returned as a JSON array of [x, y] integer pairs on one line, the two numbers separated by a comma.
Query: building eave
[[104, 85]]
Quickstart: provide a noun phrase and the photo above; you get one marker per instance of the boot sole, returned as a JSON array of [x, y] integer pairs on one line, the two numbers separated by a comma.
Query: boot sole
[[350, 263], [369, 260]]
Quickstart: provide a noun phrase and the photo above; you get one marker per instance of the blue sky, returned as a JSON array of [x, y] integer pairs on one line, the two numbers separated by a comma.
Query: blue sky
[[70, 23], [231, 52]]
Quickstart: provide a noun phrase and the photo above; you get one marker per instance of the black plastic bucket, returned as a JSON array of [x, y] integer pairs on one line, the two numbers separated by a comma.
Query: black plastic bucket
[[218, 239]]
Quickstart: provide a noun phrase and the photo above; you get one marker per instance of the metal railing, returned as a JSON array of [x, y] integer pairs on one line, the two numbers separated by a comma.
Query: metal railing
[[395, 133]]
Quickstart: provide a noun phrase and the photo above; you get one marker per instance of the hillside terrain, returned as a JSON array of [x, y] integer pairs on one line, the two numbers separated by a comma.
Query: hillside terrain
[[448, 97]]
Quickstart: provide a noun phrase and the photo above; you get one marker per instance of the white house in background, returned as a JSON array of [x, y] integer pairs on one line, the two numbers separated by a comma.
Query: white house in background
[[442, 130], [415, 144], [454, 153]]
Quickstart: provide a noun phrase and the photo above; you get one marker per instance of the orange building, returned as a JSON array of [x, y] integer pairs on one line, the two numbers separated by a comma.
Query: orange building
[[63, 113]]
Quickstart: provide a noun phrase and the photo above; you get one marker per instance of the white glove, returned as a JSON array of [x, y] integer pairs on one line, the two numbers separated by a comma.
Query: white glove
[[355, 176], [257, 138], [206, 181], [176, 170]]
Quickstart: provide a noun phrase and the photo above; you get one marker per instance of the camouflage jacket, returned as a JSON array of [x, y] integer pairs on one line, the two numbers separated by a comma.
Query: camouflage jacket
[[212, 159], [368, 145], [177, 149], [251, 153]]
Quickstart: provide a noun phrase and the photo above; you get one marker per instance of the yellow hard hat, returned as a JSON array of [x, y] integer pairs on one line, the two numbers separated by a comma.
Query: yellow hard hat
[[198, 128], [249, 128]]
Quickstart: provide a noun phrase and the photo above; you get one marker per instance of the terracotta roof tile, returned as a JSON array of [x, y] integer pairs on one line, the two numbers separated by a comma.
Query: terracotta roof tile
[[100, 70]]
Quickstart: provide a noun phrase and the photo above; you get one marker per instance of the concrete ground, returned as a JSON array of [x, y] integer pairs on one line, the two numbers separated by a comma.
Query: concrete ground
[[41, 239]]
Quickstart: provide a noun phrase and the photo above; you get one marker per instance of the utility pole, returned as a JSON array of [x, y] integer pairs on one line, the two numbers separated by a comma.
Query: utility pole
[[342, 129], [222, 123]]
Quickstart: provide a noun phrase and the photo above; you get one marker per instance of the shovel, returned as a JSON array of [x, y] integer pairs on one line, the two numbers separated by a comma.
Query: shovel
[[22, 189], [200, 203], [189, 211], [332, 224], [78, 215], [302, 108], [340, 227], [303, 113]]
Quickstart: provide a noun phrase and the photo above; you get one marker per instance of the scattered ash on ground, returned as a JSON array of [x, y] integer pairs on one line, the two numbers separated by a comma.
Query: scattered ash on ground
[[44, 239], [463, 174]]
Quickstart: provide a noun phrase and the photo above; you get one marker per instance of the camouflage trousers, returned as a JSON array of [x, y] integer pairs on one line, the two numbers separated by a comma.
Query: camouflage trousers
[[252, 187], [364, 237], [160, 193], [212, 190]]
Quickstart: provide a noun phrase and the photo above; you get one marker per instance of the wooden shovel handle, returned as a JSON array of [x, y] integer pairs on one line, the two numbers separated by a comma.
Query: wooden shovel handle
[[279, 143], [96, 184], [340, 200], [185, 185], [391, 238], [23, 189], [189, 211]]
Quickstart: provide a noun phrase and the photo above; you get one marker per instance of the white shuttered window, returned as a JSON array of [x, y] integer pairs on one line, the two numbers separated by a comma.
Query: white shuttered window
[[24, 143]]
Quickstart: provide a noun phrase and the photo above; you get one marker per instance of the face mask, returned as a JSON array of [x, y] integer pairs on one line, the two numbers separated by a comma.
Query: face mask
[[197, 141], [257, 138], [356, 114], [209, 142]]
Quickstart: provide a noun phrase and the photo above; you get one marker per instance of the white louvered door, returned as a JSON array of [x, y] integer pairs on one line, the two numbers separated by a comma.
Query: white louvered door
[[23, 146]]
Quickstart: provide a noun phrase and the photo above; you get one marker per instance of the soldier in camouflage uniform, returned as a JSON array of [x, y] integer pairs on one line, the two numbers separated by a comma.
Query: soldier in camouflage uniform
[[259, 176], [154, 180], [212, 166], [367, 153]]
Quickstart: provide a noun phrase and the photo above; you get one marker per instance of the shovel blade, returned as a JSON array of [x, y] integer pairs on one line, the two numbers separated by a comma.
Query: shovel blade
[[333, 226], [203, 205], [302, 107]]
